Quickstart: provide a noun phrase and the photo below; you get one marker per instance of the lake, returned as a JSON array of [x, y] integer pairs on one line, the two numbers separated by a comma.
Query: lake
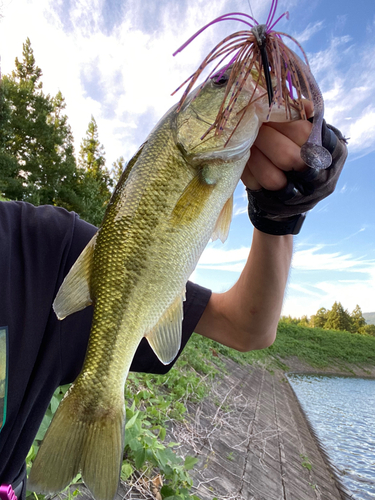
[[342, 412]]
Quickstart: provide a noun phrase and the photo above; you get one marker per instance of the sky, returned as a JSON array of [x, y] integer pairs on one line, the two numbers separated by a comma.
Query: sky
[[112, 59]]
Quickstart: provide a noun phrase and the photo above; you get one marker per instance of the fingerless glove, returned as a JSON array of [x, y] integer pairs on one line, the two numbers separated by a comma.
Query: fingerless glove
[[283, 212]]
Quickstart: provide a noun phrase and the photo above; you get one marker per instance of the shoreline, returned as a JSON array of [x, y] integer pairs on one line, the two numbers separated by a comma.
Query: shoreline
[[253, 440], [295, 365]]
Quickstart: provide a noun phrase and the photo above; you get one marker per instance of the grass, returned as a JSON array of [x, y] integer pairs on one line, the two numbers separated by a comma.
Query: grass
[[321, 348], [315, 346]]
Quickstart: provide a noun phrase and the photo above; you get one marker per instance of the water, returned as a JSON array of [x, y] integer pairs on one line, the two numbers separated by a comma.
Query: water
[[342, 413]]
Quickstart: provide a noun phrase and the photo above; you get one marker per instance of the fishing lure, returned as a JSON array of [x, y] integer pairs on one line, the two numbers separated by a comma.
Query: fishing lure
[[260, 51]]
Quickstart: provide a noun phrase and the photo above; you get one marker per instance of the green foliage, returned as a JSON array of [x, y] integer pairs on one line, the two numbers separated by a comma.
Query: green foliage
[[37, 161], [289, 320], [144, 452], [320, 318], [322, 348], [338, 318], [304, 321], [117, 169], [95, 181], [306, 462], [357, 319], [367, 330]]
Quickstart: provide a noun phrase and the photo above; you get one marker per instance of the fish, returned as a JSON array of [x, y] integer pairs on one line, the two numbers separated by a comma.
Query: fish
[[174, 195]]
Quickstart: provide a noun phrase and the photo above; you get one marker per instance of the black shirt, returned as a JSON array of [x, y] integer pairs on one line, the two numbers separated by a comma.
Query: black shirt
[[38, 246]]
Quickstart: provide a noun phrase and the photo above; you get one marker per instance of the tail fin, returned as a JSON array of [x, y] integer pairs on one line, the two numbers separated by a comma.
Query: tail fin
[[81, 439]]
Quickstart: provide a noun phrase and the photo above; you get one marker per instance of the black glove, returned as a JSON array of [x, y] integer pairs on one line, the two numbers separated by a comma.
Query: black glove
[[283, 212]]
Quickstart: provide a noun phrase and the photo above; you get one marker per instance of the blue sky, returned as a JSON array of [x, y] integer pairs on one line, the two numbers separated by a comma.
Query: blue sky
[[113, 60]]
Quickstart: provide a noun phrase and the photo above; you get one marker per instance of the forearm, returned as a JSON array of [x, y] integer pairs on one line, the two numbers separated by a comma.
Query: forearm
[[246, 316]]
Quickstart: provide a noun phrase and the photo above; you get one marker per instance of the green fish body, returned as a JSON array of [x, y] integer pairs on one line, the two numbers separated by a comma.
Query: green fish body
[[174, 195]]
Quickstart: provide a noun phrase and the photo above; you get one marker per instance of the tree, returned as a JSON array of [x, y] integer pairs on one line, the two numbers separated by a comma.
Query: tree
[[367, 329], [304, 321], [37, 161], [338, 318], [358, 321], [320, 318], [95, 179], [118, 167]]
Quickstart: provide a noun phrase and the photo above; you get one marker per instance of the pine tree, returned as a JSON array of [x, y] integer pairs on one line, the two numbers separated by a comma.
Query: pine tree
[[304, 321], [358, 321], [319, 319], [37, 161], [95, 179], [118, 167], [338, 318], [367, 330]]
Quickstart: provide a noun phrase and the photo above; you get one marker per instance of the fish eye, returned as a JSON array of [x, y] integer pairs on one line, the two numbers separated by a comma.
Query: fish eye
[[220, 82]]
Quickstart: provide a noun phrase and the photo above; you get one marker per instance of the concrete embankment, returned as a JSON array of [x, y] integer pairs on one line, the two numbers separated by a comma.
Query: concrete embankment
[[254, 442]]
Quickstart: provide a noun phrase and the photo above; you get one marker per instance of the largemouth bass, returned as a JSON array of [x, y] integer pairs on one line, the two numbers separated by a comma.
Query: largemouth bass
[[175, 194]]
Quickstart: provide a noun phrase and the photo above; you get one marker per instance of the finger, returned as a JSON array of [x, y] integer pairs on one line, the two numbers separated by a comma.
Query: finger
[[309, 108], [282, 151], [297, 131], [264, 172], [249, 180]]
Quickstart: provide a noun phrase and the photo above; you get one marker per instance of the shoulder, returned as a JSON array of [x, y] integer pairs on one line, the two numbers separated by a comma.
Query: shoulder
[[45, 229]]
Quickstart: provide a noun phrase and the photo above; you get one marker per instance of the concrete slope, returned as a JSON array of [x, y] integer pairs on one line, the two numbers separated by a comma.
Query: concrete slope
[[253, 442]]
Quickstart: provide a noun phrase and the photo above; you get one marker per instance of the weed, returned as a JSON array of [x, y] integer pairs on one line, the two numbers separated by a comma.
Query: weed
[[306, 462]]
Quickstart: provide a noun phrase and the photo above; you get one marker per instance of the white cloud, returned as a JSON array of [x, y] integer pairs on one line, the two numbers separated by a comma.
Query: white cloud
[[313, 259], [223, 259], [302, 300], [345, 72], [362, 131], [309, 31], [307, 292]]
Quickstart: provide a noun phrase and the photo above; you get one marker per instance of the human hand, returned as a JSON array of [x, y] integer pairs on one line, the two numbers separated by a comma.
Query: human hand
[[277, 150], [281, 188]]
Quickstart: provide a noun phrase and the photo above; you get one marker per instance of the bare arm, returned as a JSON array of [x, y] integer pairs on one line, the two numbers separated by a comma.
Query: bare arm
[[246, 316]]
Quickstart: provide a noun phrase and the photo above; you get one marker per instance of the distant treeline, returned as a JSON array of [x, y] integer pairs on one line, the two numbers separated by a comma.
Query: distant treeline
[[336, 318]]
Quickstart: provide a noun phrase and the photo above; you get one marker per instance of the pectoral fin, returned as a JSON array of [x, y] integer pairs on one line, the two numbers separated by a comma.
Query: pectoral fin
[[221, 229], [165, 337], [192, 201], [74, 293]]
